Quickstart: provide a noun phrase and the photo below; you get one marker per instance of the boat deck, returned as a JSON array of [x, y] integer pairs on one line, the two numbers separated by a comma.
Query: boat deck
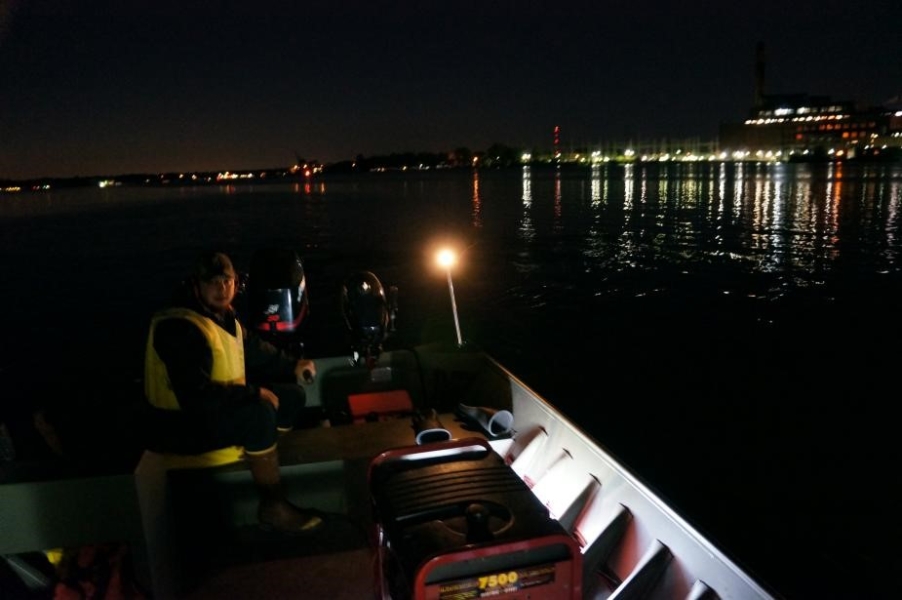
[[194, 535], [221, 552]]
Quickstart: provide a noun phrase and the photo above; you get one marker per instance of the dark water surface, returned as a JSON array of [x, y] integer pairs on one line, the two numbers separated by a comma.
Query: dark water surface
[[730, 332]]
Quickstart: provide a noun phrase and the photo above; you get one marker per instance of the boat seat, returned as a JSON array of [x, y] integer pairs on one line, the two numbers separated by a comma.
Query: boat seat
[[154, 564], [42, 513]]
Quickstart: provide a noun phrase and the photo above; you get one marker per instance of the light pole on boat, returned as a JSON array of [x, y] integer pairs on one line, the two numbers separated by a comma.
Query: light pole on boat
[[446, 258]]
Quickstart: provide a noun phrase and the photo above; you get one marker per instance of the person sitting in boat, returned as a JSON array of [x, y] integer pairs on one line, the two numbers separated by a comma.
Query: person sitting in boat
[[200, 362]]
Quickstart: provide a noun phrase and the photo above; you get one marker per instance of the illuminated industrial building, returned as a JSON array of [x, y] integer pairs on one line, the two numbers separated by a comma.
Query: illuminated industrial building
[[801, 125]]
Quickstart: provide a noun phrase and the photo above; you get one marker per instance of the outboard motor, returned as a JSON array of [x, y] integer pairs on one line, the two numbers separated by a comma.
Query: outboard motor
[[369, 315], [277, 297]]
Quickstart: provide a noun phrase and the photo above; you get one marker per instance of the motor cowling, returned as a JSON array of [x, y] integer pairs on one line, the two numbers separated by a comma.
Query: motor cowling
[[368, 313], [278, 301]]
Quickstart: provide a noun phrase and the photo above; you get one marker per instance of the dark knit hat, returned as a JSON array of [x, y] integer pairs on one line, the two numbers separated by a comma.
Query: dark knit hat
[[213, 264]]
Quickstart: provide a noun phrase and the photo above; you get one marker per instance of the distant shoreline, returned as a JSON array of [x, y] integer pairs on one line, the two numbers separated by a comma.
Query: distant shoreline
[[289, 174]]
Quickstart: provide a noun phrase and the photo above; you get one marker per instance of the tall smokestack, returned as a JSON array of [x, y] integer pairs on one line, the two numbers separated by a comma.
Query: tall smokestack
[[759, 75]]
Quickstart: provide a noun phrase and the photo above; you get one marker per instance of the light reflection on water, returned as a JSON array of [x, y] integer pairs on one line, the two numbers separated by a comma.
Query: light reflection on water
[[602, 227], [759, 224], [721, 311], [600, 231]]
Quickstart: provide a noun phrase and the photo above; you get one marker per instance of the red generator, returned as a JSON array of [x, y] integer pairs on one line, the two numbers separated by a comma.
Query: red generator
[[452, 521]]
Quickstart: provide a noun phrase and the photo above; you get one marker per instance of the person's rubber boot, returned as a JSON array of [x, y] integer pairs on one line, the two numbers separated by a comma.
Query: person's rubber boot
[[275, 512]]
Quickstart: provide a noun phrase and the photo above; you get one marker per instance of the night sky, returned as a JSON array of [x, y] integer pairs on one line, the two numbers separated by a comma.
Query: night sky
[[95, 88]]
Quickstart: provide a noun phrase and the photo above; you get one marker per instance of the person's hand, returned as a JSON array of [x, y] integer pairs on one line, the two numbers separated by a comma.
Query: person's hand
[[269, 396], [305, 370]]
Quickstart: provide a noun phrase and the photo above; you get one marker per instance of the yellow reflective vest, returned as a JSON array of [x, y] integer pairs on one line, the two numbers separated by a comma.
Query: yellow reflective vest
[[227, 349]]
